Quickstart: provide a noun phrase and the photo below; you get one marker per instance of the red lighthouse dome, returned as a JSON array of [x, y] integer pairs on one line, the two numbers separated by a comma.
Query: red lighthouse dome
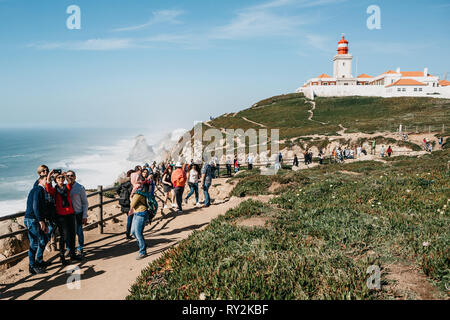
[[343, 46]]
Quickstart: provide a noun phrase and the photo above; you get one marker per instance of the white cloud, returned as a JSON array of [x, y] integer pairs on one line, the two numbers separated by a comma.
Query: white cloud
[[162, 16], [88, 45], [270, 19]]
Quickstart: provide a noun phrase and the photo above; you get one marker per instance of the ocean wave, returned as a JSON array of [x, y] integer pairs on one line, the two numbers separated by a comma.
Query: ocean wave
[[9, 207], [12, 156]]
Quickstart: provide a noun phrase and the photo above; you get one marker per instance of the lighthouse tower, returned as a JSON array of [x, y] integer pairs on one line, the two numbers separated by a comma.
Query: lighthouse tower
[[342, 62]]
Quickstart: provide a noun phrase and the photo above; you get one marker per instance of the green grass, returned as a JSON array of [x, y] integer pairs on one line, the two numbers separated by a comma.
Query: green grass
[[325, 229]]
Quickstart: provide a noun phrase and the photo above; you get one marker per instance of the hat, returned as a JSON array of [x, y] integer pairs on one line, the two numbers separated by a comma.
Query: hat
[[178, 164]]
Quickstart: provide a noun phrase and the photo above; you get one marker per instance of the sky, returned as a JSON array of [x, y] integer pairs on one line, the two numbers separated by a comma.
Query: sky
[[165, 64]]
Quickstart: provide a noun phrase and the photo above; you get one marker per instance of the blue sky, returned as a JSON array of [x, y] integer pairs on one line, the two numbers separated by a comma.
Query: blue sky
[[165, 64]]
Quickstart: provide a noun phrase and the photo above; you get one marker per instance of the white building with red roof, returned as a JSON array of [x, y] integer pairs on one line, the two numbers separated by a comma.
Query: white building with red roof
[[388, 84]]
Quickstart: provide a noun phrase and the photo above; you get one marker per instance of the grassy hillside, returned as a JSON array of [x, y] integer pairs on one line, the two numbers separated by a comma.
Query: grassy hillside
[[324, 228], [289, 113]]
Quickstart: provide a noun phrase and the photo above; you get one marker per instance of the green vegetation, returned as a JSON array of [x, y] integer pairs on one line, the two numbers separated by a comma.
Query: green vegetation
[[289, 113], [324, 228]]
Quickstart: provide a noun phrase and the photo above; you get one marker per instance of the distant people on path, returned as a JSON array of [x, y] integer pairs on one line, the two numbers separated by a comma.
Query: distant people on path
[[440, 141], [280, 158], [382, 151], [206, 182], [295, 163], [179, 182], [250, 162], [228, 167], [36, 227], [124, 193], [358, 152], [320, 156], [389, 151], [65, 214], [236, 165], [374, 145], [193, 177], [167, 186], [80, 206]]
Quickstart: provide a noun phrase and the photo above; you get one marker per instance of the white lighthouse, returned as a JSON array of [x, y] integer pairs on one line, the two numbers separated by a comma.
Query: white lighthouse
[[342, 64]]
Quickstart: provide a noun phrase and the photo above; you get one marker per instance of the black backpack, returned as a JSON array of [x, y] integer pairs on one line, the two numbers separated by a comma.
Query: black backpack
[[124, 194]]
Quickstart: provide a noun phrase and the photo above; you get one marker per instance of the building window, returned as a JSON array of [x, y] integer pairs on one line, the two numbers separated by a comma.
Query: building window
[[415, 89], [345, 84], [420, 89], [399, 89], [404, 89]]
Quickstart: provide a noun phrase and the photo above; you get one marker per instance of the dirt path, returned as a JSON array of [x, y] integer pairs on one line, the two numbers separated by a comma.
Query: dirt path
[[110, 267], [258, 124]]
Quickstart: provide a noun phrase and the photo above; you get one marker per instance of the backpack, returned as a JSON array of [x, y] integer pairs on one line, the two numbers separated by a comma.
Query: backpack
[[179, 177], [124, 195]]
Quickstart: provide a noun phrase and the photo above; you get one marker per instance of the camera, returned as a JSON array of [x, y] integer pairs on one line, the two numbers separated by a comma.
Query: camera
[[57, 171]]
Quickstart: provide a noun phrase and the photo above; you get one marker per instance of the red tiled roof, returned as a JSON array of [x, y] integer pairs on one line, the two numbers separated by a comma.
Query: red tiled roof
[[412, 73], [389, 72], [444, 83], [406, 82], [323, 75], [365, 76]]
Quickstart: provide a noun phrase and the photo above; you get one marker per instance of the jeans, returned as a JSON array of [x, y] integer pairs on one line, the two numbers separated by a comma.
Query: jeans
[[79, 230], [179, 196], [194, 188], [139, 222], [45, 239], [66, 226], [205, 191], [35, 235], [129, 222]]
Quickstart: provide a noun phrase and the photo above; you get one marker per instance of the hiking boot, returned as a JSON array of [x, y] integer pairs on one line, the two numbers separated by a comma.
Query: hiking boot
[[76, 257], [36, 270], [43, 264], [129, 237], [141, 256]]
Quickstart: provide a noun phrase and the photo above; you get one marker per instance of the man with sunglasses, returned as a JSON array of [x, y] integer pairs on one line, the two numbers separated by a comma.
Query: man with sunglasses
[[80, 206]]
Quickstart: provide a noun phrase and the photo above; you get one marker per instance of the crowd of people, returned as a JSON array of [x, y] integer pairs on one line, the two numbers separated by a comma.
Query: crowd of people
[[56, 204]]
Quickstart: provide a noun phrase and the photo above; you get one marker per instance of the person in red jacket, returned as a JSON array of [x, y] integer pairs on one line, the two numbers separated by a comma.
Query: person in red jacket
[[65, 215], [389, 151], [179, 182]]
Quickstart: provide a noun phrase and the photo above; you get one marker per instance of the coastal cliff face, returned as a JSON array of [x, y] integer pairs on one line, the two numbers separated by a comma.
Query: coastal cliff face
[[12, 245], [141, 151]]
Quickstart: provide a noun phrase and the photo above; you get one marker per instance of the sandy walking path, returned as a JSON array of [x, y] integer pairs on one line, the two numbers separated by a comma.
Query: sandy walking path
[[110, 267]]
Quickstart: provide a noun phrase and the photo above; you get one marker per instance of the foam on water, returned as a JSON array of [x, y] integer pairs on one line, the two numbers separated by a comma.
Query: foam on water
[[100, 166]]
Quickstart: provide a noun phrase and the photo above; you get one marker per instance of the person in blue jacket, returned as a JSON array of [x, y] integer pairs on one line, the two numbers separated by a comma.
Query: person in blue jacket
[[35, 223]]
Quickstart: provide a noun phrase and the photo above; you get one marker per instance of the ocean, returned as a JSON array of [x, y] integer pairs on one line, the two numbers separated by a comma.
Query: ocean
[[98, 156]]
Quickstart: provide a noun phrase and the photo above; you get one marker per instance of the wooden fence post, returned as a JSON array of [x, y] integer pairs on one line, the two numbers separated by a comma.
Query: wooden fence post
[[100, 209]]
